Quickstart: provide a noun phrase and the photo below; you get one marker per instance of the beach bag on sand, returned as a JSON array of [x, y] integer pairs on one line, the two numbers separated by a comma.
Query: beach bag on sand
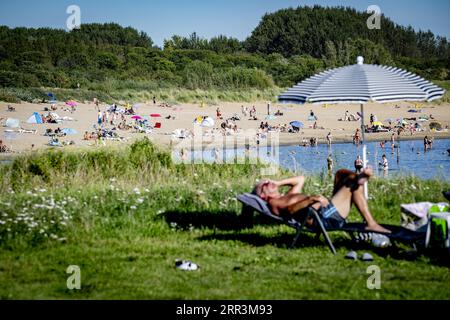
[[415, 216]]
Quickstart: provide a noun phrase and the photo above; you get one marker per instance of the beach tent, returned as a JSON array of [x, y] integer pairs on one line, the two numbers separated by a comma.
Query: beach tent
[[69, 131], [361, 83], [35, 119], [12, 123], [52, 97], [297, 124]]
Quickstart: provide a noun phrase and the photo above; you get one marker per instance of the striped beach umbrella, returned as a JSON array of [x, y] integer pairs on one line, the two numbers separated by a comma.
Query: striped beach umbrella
[[361, 83]]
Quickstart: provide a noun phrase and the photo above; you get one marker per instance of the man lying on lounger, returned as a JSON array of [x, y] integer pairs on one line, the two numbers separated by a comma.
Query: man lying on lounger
[[348, 190]]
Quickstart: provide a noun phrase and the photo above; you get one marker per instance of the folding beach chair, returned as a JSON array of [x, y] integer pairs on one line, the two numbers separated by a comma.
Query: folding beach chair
[[252, 202]]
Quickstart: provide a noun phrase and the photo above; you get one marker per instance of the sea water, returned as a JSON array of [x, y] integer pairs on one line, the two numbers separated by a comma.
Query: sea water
[[407, 158]]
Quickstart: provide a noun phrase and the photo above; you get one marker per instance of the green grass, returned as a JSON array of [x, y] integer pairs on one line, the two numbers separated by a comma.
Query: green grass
[[444, 85], [124, 217], [139, 94]]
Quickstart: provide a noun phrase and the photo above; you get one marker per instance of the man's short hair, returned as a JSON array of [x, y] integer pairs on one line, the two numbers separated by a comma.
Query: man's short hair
[[258, 189]]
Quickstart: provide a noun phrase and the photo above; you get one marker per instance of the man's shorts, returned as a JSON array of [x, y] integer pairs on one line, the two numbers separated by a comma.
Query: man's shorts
[[331, 218]]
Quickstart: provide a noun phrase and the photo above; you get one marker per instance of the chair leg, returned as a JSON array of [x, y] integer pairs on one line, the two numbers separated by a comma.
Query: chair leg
[[325, 233], [299, 231], [297, 236], [317, 237]]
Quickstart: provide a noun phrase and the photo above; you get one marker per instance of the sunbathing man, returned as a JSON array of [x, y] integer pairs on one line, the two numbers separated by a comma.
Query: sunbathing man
[[348, 190]]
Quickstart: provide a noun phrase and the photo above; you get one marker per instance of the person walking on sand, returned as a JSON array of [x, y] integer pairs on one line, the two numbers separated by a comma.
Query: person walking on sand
[[393, 140], [329, 139]]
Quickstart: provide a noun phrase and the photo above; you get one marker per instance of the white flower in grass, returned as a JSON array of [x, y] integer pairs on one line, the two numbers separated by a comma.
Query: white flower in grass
[[146, 190], [137, 191], [41, 231], [29, 193], [140, 200], [42, 190], [160, 212], [133, 207], [112, 180], [201, 192], [413, 187]]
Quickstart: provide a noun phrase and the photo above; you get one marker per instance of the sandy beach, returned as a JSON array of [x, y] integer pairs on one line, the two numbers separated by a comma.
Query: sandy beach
[[182, 117]]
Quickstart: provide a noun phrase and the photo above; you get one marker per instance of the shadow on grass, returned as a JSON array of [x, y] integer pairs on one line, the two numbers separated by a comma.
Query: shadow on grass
[[221, 220], [230, 226]]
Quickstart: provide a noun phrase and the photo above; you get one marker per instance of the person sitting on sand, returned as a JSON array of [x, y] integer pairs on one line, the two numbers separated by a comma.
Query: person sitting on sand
[[279, 113], [86, 136], [219, 114], [11, 109], [4, 148], [348, 190], [347, 116]]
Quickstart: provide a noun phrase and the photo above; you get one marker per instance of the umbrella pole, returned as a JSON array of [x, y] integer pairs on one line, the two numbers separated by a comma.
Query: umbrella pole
[[366, 187]]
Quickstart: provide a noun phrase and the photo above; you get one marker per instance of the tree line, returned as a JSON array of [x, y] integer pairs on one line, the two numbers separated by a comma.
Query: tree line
[[286, 47]]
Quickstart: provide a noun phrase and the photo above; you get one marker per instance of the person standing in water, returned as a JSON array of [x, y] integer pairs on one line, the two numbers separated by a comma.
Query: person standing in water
[[330, 164], [384, 164], [358, 164], [393, 140], [329, 139]]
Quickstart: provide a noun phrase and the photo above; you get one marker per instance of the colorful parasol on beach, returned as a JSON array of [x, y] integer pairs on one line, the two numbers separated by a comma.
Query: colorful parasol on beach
[[136, 117]]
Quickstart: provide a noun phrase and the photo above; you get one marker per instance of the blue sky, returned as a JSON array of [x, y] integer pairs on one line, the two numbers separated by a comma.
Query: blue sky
[[237, 18]]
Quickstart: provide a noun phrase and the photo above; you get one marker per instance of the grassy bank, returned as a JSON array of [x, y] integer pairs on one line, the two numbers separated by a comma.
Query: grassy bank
[[124, 216], [140, 94]]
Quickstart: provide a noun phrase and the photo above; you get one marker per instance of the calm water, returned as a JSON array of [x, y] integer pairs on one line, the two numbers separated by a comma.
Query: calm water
[[408, 159]]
